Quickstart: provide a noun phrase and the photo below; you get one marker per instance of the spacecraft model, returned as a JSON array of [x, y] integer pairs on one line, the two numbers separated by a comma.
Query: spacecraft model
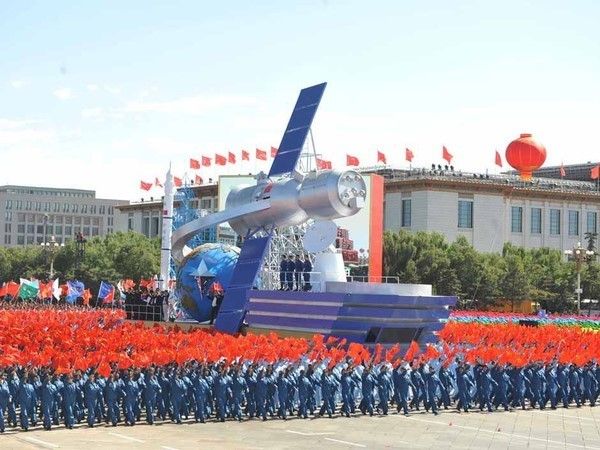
[[360, 312]]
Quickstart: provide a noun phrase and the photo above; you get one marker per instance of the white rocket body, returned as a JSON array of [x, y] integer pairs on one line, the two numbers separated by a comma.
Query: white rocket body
[[167, 231]]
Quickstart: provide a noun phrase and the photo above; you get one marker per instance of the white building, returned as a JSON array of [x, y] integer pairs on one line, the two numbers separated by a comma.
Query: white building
[[30, 215], [490, 211]]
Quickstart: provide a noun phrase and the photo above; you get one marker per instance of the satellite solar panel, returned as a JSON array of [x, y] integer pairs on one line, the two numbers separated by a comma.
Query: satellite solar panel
[[297, 130], [246, 269]]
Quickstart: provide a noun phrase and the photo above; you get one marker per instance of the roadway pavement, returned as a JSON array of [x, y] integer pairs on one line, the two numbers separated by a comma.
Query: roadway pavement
[[568, 429]]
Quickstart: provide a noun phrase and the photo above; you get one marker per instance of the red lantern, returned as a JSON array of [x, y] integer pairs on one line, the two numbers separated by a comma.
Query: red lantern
[[526, 155]]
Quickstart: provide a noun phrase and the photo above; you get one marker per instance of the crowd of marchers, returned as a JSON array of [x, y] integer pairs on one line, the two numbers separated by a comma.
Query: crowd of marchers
[[247, 390]]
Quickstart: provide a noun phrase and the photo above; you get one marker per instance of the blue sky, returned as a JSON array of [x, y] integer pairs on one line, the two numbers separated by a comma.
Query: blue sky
[[99, 95]]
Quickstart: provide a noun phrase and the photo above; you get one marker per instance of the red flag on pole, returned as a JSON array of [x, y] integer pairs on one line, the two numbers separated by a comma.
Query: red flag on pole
[[198, 179], [178, 182], [409, 155], [194, 164], [446, 155], [245, 155], [563, 172], [595, 172], [157, 182], [261, 154], [351, 160], [498, 159], [231, 157], [220, 160], [273, 152], [323, 164], [381, 157], [206, 161], [145, 186]]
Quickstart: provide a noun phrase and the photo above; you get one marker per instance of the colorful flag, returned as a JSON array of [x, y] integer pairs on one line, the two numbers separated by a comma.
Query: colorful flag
[[194, 164], [145, 186], [351, 160], [28, 289], [446, 155], [220, 160], [75, 290], [231, 158], [261, 154], [498, 159], [128, 284], [206, 161], [46, 290], [381, 157], [408, 155], [198, 179], [273, 152], [595, 172], [12, 288], [245, 155], [178, 182], [56, 290], [157, 183], [87, 295], [106, 293]]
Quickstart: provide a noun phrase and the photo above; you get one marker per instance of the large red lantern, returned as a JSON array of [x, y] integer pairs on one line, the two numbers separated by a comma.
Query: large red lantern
[[526, 155]]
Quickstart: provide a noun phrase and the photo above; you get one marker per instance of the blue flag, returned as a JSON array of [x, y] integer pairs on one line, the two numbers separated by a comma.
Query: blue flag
[[106, 292], [75, 290]]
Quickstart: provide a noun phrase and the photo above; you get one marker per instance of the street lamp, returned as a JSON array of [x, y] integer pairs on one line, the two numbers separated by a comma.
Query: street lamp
[[579, 255], [51, 247]]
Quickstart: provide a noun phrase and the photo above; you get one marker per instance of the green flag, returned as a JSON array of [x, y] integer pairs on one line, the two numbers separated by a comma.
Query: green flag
[[28, 289]]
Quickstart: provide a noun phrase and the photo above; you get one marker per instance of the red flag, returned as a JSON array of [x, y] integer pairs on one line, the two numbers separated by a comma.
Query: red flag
[[351, 160], [409, 155], [145, 186], [563, 172], [498, 159], [231, 158], [194, 164], [157, 183], [177, 181], [110, 297], [446, 155], [198, 179], [220, 160], [245, 155], [381, 157], [595, 172], [323, 164], [12, 288], [261, 154], [3, 290], [86, 297], [273, 152], [206, 161]]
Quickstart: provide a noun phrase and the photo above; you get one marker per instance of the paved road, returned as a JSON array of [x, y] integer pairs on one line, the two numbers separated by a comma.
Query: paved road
[[571, 429]]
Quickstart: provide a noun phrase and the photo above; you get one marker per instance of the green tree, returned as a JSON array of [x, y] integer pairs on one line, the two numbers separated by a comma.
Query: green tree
[[515, 282]]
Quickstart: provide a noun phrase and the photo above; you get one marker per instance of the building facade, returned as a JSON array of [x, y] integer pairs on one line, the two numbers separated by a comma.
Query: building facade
[[145, 216], [490, 211], [31, 215]]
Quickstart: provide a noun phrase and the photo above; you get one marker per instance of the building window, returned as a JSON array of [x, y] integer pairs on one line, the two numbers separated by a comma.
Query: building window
[[21, 240], [95, 231], [75, 208], [555, 221], [58, 229], [8, 204], [68, 230], [40, 229], [516, 219], [146, 226], [28, 205], [536, 220], [154, 226], [8, 227], [21, 228], [592, 222], [573, 223], [29, 240], [7, 239], [84, 209], [30, 228], [406, 212], [8, 215], [465, 214]]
